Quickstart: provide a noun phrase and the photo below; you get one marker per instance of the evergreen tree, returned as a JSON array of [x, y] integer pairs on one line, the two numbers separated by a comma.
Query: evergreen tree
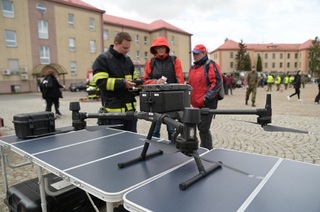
[[247, 63], [259, 64], [314, 57], [240, 56]]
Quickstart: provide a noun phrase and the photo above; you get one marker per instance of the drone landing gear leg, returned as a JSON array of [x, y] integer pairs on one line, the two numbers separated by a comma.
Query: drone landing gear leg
[[143, 155], [202, 172]]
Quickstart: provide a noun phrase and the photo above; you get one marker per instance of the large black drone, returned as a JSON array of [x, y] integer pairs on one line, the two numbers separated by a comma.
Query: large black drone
[[170, 104]]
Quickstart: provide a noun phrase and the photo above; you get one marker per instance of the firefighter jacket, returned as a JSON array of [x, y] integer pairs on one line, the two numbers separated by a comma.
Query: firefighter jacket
[[110, 70]]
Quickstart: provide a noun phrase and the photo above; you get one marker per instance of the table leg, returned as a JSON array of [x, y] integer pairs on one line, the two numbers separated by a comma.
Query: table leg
[[109, 206], [4, 170], [42, 190]]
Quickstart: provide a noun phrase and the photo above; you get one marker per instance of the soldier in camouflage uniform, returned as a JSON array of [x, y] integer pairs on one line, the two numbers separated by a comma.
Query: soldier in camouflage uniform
[[251, 85]]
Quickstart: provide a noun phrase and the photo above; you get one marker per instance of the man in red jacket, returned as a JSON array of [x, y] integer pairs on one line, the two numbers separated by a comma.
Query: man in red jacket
[[206, 80]]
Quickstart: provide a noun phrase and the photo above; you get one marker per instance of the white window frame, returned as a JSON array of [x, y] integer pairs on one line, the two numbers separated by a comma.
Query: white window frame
[[44, 54], [72, 44], [43, 31], [41, 8], [13, 65], [91, 24], [137, 38], [7, 9], [146, 55], [138, 54], [105, 34], [172, 40], [73, 68], [71, 20], [145, 39], [11, 38], [93, 48]]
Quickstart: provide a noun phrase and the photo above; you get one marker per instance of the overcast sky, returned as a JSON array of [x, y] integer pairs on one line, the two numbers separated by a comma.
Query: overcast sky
[[212, 21]]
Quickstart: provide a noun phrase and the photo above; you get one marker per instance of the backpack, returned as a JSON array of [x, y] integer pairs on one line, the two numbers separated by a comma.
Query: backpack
[[153, 61], [224, 83]]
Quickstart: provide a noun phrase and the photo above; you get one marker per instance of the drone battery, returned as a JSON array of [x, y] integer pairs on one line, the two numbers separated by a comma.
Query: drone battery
[[34, 124], [164, 98]]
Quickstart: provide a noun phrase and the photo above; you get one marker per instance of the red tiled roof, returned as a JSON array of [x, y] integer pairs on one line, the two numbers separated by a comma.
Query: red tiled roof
[[128, 23], [231, 45], [79, 3], [161, 24], [114, 20]]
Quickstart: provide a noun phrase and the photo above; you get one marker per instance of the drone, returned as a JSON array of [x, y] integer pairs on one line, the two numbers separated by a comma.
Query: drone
[[170, 104]]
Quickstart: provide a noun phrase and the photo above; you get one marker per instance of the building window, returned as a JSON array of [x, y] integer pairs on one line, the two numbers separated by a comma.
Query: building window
[[280, 65], [71, 20], [146, 55], [172, 40], [265, 65], [138, 55], [281, 56], [296, 65], [91, 24], [137, 38], [14, 66], [273, 55], [231, 55], [43, 29], [7, 9], [296, 55], [105, 34], [288, 65], [11, 38], [44, 55], [41, 8], [266, 56], [145, 39], [231, 64], [73, 68], [72, 44], [288, 56], [273, 65], [93, 48]]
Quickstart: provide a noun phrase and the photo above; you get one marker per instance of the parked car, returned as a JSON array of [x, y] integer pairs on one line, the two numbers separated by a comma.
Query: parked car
[[76, 87]]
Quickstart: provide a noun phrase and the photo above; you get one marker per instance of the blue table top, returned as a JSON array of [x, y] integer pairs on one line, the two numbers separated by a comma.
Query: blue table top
[[90, 159], [264, 184]]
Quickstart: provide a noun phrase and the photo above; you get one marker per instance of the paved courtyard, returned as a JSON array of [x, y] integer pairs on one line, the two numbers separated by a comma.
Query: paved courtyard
[[229, 131]]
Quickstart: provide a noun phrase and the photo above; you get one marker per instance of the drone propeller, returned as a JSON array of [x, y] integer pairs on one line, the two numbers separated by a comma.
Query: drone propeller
[[273, 128], [166, 147]]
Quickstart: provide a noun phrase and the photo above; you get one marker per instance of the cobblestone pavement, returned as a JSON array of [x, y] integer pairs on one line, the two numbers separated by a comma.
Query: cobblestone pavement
[[229, 131]]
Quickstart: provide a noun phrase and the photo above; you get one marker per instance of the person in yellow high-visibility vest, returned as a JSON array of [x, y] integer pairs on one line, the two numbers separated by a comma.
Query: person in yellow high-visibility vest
[[278, 82], [286, 82], [291, 79], [270, 81]]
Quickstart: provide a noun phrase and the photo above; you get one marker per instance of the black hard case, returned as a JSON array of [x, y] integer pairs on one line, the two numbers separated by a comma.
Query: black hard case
[[34, 124], [25, 197], [164, 98]]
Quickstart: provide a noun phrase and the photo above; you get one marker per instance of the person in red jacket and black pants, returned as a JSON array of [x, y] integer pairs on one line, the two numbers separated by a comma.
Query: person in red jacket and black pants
[[206, 79]]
